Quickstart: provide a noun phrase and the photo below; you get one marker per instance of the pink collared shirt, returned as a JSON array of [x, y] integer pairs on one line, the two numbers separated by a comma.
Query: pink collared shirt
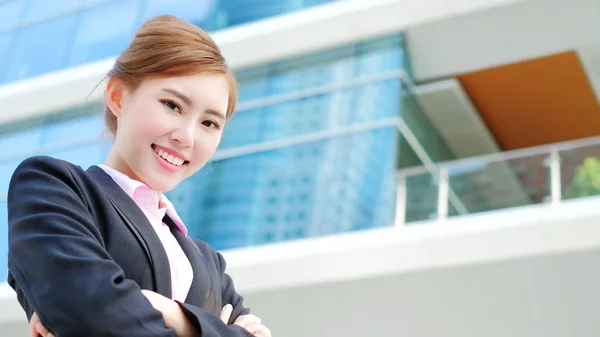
[[155, 205]]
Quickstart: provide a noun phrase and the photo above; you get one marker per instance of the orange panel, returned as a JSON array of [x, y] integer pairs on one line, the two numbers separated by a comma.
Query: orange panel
[[535, 102]]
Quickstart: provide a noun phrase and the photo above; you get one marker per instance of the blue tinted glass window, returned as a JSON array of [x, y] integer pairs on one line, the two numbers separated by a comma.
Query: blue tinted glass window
[[21, 139], [6, 41], [316, 112], [3, 241], [313, 71], [73, 129], [252, 83], [39, 9], [235, 12], [7, 168], [84, 155], [193, 11], [380, 56], [323, 187], [11, 13], [104, 31], [41, 48]]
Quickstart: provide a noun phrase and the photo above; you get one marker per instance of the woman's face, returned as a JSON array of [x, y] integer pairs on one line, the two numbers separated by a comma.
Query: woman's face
[[168, 128]]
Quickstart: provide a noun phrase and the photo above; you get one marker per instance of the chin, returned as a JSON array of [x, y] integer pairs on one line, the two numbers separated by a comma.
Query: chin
[[163, 187], [160, 185]]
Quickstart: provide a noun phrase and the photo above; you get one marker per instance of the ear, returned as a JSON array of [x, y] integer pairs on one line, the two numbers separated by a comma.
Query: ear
[[113, 96]]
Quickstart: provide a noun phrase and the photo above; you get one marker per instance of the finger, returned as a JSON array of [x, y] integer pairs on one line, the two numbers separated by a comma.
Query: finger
[[226, 313], [263, 331], [245, 320], [258, 330], [41, 329], [32, 325]]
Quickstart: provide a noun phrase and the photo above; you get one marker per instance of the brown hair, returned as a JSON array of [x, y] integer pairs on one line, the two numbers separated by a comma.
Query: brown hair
[[168, 46]]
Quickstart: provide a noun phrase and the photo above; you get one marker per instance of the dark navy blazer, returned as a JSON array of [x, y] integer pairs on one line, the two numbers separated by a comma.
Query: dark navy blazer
[[80, 251]]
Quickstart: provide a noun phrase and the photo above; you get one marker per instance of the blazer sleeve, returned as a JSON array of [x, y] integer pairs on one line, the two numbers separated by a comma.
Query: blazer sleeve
[[209, 323], [61, 267]]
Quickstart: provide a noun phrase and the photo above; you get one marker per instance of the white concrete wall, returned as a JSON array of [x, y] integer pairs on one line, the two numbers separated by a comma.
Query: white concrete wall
[[503, 35]]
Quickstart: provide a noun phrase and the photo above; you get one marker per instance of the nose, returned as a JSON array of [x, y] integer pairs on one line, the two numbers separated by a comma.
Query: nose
[[184, 135]]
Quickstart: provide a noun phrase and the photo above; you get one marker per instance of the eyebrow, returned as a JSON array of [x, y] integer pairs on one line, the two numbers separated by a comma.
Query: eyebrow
[[189, 102]]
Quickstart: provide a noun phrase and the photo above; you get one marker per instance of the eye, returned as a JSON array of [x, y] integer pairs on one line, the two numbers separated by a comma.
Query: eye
[[211, 124], [172, 105]]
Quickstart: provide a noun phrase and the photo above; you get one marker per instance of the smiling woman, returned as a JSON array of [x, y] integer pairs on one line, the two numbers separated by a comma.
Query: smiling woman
[[102, 252], [182, 117]]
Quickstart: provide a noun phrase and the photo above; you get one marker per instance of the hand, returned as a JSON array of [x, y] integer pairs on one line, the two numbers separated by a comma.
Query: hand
[[172, 314], [36, 328], [251, 323]]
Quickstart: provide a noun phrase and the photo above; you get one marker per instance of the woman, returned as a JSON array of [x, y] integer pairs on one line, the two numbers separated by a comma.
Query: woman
[[83, 244]]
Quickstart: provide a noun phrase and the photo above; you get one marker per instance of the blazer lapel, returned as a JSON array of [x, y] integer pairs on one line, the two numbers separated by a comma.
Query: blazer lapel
[[202, 292], [134, 218]]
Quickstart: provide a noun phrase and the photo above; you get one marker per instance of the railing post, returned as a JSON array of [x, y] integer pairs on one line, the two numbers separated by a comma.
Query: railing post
[[443, 188], [400, 216], [555, 176]]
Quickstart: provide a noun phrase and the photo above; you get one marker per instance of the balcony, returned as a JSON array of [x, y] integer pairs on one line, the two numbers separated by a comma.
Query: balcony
[[532, 176]]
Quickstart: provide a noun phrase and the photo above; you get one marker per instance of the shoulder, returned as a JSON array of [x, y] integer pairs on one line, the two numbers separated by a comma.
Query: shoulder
[[47, 164], [34, 172]]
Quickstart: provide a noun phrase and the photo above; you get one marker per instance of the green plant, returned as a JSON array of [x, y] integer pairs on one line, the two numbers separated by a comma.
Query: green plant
[[586, 181]]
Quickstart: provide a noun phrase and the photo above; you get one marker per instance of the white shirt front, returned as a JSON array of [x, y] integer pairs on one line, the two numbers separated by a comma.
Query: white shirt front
[[155, 205]]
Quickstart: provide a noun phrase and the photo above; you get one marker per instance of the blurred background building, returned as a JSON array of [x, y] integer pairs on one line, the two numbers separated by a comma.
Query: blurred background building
[[395, 167]]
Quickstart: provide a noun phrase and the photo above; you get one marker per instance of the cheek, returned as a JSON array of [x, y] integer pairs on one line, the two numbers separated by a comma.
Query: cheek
[[152, 127], [206, 146]]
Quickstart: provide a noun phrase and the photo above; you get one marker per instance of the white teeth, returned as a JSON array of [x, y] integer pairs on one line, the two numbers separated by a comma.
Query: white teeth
[[169, 157]]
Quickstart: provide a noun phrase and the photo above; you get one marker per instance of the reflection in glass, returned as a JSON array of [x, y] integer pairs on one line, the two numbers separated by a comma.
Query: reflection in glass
[[503, 184], [324, 187], [315, 113], [421, 197]]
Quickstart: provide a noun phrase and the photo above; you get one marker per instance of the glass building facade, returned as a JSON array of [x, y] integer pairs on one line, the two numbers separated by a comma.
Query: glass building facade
[[312, 149], [40, 36]]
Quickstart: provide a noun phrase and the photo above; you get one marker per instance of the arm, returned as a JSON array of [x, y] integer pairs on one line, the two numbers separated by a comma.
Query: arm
[[205, 321], [233, 312], [228, 293], [60, 265], [64, 272]]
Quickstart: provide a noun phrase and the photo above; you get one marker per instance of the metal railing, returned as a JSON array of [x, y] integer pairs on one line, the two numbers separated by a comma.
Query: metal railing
[[536, 175]]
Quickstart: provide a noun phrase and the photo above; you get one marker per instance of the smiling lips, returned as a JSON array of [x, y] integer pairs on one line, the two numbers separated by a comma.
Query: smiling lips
[[174, 160]]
